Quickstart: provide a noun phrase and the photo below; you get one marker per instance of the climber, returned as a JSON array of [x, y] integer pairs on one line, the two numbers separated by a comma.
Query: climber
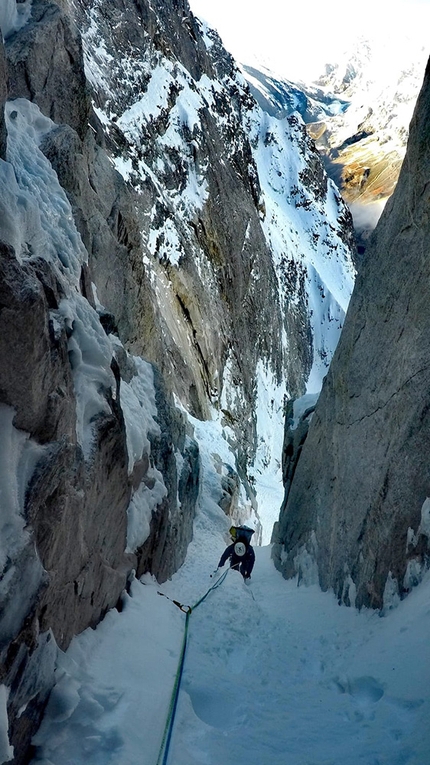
[[240, 552]]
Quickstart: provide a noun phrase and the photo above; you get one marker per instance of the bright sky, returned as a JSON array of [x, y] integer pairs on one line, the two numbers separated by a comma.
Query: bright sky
[[297, 39]]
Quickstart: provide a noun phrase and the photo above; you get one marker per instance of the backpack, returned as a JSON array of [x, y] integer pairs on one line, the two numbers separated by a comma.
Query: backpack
[[241, 534]]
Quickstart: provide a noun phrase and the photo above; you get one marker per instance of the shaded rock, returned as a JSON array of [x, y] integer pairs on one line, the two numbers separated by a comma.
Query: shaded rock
[[70, 566], [294, 437], [78, 506], [36, 381], [104, 213], [230, 484], [30, 684], [176, 456], [23, 581], [45, 65]]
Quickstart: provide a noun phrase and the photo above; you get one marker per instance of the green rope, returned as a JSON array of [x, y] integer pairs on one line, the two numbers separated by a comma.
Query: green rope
[[168, 728], [214, 586]]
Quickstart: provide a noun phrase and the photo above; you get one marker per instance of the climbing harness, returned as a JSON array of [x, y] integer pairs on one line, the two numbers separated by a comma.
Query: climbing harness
[[168, 728]]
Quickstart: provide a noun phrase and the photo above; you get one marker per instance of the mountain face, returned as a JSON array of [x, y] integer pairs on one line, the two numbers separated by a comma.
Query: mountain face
[[358, 112], [356, 510], [281, 97], [248, 282], [169, 255]]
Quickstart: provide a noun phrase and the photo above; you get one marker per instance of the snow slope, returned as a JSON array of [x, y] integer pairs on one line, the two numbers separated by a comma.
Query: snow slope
[[302, 226], [274, 673]]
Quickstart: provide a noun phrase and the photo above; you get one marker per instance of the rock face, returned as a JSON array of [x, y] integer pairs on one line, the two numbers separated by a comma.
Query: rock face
[[205, 219], [356, 513], [46, 66], [229, 282]]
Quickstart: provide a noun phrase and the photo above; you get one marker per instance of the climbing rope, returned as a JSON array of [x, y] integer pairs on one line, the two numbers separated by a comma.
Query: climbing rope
[[168, 728]]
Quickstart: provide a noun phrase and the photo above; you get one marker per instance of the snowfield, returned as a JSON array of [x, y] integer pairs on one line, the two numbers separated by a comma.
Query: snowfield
[[274, 673]]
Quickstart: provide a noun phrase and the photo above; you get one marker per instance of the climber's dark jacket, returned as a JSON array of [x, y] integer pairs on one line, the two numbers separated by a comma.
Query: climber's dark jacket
[[244, 563]]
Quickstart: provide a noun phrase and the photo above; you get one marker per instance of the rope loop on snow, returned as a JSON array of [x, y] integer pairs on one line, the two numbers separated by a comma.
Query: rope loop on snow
[[181, 606], [168, 728]]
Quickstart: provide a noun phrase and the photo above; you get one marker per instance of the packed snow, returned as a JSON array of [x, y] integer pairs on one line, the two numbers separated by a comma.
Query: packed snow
[[266, 471], [273, 672]]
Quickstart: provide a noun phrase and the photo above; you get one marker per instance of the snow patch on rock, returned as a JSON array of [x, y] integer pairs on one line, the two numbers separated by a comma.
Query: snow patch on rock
[[6, 750]]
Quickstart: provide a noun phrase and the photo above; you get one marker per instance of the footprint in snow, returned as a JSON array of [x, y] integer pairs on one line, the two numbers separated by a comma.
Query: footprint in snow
[[365, 690], [220, 710]]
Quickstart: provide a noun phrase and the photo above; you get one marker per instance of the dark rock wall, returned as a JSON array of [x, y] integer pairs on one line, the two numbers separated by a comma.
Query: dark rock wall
[[171, 533], [46, 66], [73, 567], [356, 503]]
